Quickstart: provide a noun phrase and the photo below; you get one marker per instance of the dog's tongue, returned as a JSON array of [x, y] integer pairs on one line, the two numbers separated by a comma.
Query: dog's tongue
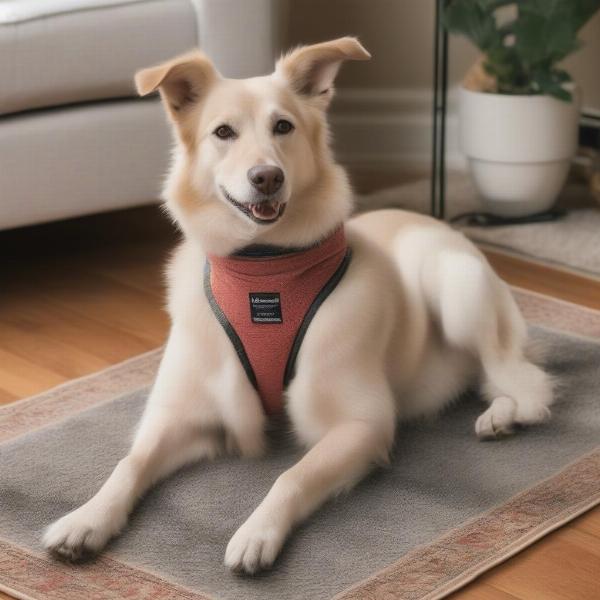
[[265, 210]]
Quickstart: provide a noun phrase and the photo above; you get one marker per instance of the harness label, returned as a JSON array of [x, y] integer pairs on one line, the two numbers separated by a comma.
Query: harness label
[[265, 307]]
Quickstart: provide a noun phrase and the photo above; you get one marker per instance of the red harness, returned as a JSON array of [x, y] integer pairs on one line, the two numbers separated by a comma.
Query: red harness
[[265, 299]]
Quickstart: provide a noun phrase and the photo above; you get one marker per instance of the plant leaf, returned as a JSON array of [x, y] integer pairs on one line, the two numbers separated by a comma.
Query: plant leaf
[[548, 82], [470, 19], [522, 53]]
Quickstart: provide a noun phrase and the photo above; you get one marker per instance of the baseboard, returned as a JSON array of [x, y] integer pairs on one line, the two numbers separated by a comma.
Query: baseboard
[[390, 128]]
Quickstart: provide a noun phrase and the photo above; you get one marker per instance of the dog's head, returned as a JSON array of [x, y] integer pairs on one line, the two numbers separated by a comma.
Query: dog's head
[[252, 162]]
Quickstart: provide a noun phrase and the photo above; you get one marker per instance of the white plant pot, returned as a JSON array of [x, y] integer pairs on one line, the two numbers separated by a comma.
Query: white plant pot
[[519, 148]]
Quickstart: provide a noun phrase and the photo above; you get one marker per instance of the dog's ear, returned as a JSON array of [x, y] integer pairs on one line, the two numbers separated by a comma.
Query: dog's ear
[[311, 70], [181, 81]]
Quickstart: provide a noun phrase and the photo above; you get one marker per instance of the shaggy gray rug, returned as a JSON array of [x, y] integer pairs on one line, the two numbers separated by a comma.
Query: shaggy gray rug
[[441, 477], [572, 242]]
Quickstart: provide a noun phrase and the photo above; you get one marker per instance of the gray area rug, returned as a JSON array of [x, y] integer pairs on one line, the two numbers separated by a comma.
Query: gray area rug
[[572, 242], [441, 476]]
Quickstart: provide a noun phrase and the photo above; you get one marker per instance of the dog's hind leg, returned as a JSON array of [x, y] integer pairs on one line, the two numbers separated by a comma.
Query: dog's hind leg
[[519, 392], [478, 313]]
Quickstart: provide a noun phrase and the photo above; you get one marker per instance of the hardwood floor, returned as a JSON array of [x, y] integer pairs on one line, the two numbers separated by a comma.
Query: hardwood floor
[[70, 306], [78, 296]]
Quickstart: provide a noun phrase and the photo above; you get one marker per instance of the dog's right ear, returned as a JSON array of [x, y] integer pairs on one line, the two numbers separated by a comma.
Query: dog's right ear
[[181, 81]]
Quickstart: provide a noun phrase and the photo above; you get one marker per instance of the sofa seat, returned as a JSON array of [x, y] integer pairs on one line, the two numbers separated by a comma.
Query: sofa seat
[[84, 159], [60, 52]]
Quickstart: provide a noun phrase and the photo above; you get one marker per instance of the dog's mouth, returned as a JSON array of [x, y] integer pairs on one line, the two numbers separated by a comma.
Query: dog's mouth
[[263, 212]]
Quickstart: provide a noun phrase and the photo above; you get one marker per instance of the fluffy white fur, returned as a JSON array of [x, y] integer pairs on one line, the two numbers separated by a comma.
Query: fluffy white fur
[[418, 317]]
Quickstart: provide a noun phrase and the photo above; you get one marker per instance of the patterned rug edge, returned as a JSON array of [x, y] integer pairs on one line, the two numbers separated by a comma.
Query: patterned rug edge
[[453, 560], [521, 545], [30, 576], [14, 593]]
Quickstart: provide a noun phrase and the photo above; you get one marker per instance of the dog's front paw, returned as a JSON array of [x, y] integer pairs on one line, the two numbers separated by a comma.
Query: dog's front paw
[[498, 420], [255, 545], [78, 534]]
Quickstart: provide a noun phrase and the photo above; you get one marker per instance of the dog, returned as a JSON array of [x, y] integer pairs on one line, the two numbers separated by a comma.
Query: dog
[[417, 316]]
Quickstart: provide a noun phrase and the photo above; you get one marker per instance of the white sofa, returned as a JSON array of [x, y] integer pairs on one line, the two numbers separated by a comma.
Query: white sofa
[[74, 139]]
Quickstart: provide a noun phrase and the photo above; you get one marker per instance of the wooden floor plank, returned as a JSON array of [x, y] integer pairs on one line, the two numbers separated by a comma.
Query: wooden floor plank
[[112, 303], [562, 568], [55, 354], [139, 267], [545, 280], [483, 592], [590, 523], [21, 378], [40, 314], [6, 397]]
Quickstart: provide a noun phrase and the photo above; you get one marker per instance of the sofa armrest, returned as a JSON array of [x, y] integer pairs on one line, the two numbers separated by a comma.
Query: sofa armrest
[[243, 37]]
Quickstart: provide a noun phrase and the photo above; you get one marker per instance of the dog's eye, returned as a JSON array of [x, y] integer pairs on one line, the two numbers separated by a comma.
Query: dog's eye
[[224, 132], [282, 127]]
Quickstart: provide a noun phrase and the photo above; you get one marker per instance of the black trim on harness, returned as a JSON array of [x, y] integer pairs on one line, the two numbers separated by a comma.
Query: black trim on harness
[[266, 251], [272, 251], [290, 367], [229, 330]]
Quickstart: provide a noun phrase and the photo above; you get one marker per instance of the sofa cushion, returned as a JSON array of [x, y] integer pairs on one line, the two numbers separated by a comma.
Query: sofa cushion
[[50, 56], [76, 160], [13, 11]]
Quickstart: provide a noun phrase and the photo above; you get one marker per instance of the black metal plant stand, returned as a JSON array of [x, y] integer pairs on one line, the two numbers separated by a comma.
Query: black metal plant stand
[[438, 163], [440, 101]]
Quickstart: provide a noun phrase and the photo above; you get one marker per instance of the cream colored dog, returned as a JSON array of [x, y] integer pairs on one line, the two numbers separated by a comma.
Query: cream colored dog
[[418, 317]]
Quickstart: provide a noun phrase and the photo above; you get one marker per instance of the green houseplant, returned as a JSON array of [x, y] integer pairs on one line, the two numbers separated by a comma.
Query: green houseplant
[[518, 108], [523, 49]]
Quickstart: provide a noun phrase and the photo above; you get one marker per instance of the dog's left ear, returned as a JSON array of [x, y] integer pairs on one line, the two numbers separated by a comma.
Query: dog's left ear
[[311, 70]]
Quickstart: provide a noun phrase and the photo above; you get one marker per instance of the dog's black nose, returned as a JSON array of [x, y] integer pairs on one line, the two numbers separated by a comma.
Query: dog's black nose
[[266, 179]]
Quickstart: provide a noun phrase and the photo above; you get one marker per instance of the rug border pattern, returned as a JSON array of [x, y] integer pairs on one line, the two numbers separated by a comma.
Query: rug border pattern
[[459, 556], [32, 576]]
